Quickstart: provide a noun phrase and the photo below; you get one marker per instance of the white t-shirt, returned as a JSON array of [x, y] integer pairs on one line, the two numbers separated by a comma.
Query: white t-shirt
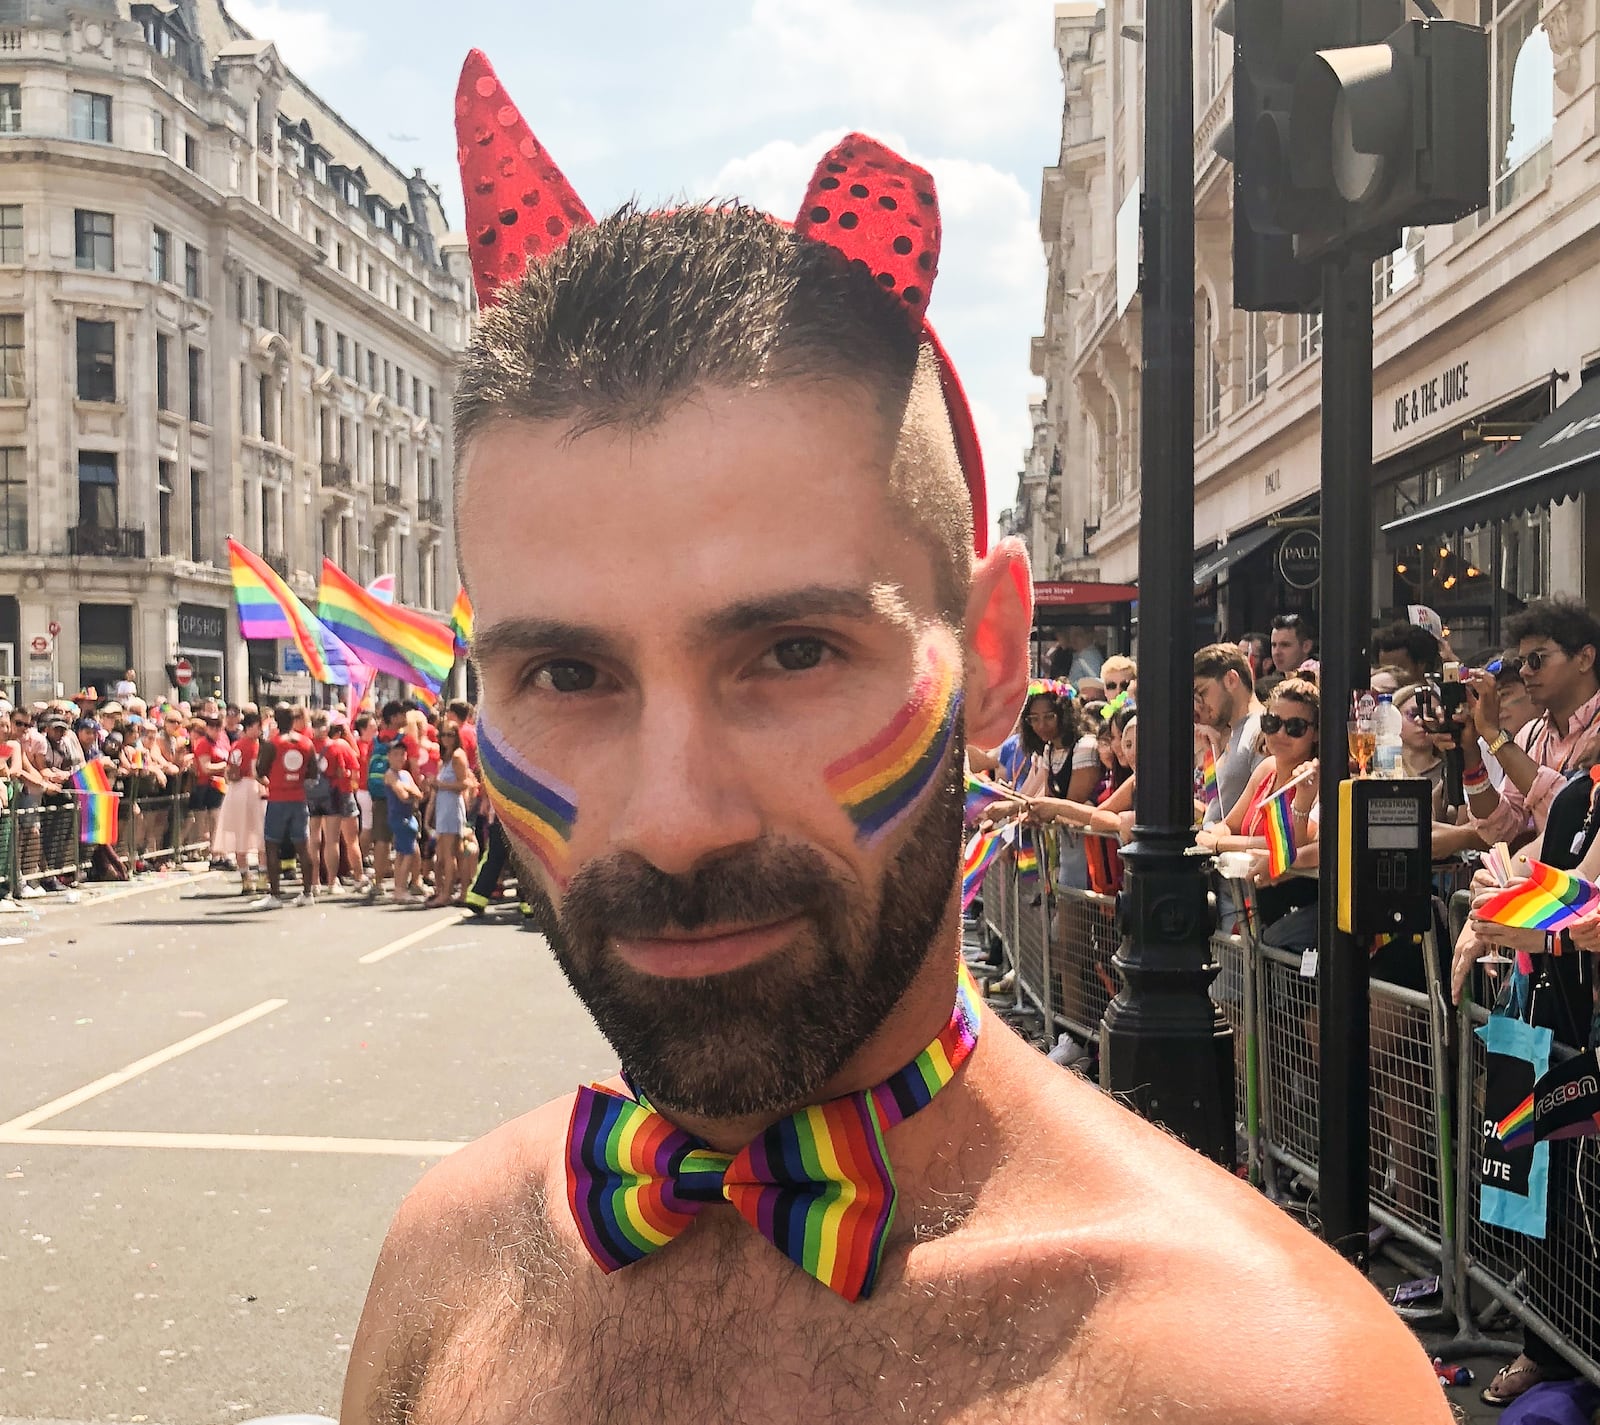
[[126, 688]]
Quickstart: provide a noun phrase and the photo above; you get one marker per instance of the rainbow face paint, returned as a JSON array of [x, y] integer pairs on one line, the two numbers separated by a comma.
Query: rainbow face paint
[[879, 784], [535, 808]]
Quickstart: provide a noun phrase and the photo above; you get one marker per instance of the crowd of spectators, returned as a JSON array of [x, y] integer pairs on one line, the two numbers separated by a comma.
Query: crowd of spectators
[[378, 803]]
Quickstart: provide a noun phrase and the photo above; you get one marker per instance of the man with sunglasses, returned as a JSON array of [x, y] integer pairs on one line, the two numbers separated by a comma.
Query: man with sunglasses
[[1119, 673], [1556, 640]]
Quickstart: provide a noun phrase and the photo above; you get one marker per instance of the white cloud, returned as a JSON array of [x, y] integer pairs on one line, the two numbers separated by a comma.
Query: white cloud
[[310, 41], [989, 294]]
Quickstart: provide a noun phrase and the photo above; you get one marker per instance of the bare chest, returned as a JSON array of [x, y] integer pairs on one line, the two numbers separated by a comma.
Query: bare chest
[[721, 1329]]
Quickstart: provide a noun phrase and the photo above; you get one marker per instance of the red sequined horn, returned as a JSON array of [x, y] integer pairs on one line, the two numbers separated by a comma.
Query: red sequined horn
[[519, 204]]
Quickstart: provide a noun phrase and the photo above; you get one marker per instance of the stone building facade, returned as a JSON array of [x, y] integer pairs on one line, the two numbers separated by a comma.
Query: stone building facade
[[222, 313], [1481, 328]]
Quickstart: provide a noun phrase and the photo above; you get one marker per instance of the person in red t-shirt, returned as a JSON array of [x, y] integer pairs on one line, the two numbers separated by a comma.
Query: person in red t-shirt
[[240, 833], [210, 763], [459, 712], [333, 810], [282, 767]]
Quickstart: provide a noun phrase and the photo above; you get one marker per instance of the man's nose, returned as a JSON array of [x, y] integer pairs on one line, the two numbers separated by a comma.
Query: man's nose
[[692, 798]]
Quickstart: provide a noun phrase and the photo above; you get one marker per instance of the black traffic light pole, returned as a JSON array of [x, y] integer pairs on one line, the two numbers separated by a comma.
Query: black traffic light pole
[[1342, 1001], [1164, 1046]]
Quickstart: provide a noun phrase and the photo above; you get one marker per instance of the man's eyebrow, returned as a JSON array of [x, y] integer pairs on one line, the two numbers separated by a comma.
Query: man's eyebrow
[[879, 601], [515, 637]]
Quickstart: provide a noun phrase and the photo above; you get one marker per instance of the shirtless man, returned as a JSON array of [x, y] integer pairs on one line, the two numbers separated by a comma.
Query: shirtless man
[[686, 758]]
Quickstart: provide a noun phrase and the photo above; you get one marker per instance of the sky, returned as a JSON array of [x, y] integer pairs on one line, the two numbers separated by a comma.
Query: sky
[[739, 98]]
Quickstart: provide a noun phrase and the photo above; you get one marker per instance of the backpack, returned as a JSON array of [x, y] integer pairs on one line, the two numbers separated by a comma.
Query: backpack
[[378, 765]]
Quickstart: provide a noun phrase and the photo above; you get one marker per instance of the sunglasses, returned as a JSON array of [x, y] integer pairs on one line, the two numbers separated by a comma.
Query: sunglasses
[[1536, 660], [1115, 687], [1293, 726]]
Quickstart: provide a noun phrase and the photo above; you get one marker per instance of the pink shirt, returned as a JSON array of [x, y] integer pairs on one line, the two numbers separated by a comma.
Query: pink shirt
[[1556, 754]]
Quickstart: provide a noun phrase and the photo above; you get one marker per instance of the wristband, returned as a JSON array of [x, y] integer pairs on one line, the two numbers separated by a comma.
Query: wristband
[[1474, 779], [1501, 738]]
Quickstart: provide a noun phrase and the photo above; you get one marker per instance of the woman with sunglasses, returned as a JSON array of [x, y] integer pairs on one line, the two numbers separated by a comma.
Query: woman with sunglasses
[[1289, 738]]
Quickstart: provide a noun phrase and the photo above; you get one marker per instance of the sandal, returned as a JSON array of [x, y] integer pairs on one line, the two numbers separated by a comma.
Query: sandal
[[1511, 1381], [437, 905]]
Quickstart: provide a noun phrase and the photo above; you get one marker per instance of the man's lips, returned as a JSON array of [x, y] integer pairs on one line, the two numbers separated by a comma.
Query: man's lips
[[712, 951]]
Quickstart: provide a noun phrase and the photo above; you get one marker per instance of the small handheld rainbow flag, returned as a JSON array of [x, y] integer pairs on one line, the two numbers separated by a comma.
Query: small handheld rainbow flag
[[1027, 858], [1280, 833], [1548, 900], [461, 621], [1208, 777], [981, 853], [981, 795], [97, 811]]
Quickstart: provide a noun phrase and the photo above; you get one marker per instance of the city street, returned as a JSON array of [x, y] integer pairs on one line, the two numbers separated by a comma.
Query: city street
[[207, 1118]]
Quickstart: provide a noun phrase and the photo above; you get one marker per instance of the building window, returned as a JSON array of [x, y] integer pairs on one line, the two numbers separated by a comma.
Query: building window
[[97, 490], [263, 301], [164, 479], [400, 386], [402, 586], [372, 370], [1310, 335], [341, 354], [13, 501], [10, 232], [1522, 80], [263, 408], [161, 254], [163, 372], [1209, 369], [416, 394], [320, 340], [97, 361], [96, 240], [163, 134], [197, 385], [10, 108], [1397, 270], [191, 270], [13, 385], [197, 494], [91, 116], [191, 152], [1255, 355], [433, 404]]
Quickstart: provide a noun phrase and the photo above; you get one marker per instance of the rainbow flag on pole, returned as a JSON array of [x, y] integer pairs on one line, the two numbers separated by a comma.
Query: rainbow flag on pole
[[1548, 900], [392, 639], [269, 608], [1280, 833], [97, 806], [981, 853], [461, 621], [1208, 777]]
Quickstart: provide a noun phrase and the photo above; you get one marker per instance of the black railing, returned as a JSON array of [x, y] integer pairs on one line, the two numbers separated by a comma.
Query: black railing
[[391, 495], [278, 562], [336, 476], [106, 542], [431, 511]]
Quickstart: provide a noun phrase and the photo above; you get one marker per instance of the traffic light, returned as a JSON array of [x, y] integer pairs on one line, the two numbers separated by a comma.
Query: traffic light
[[1349, 123]]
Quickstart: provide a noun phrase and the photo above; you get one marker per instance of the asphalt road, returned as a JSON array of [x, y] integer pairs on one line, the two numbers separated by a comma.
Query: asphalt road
[[207, 1118]]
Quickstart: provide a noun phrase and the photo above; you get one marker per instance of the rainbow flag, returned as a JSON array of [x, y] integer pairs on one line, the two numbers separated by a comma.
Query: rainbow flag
[[532, 806], [1548, 900], [1208, 777], [1280, 833], [1027, 859], [461, 621], [981, 853], [427, 699], [97, 810], [394, 640], [981, 795], [268, 608], [1515, 1130], [382, 588]]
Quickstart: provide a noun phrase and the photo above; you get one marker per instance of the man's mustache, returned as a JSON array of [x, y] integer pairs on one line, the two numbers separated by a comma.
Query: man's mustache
[[626, 896]]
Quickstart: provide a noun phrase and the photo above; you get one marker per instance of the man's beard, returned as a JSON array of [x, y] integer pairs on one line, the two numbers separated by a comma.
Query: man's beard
[[765, 1038]]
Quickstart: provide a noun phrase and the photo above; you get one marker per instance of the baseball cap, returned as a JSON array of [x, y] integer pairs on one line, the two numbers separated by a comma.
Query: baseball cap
[[86, 724]]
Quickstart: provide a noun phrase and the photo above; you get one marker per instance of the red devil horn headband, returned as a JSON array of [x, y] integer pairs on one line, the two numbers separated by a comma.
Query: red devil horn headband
[[873, 206]]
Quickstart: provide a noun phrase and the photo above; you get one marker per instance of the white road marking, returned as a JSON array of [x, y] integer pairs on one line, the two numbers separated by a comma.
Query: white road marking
[[231, 1142], [139, 1066], [407, 941]]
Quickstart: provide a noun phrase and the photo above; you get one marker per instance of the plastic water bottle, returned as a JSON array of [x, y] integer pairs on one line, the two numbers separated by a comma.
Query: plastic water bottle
[[1387, 747]]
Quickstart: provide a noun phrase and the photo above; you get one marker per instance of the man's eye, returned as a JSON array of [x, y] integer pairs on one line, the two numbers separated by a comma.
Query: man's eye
[[796, 655], [563, 677]]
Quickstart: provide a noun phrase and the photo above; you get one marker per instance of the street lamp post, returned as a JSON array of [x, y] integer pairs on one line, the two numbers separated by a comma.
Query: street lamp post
[[1164, 1046]]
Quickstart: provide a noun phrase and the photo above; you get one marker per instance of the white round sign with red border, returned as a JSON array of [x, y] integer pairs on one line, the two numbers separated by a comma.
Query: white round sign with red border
[[183, 672]]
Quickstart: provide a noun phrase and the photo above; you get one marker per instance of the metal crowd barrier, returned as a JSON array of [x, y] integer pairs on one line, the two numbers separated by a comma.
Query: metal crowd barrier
[[1424, 1170]]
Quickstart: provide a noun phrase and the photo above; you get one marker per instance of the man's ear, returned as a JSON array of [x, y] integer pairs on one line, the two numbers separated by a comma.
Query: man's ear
[[999, 622]]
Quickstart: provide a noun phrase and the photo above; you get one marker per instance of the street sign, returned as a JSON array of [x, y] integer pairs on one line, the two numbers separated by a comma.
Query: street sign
[[55, 630], [183, 673], [40, 645]]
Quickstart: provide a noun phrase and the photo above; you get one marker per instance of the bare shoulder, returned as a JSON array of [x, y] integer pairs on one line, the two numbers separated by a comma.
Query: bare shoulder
[[1217, 1300], [477, 1217]]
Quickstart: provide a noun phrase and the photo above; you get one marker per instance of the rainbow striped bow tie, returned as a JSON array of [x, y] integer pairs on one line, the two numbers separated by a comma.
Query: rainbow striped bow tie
[[817, 1185]]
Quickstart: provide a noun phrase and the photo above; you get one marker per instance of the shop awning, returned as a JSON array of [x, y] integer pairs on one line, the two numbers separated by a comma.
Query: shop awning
[[1060, 594], [1209, 566], [1558, 457]]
